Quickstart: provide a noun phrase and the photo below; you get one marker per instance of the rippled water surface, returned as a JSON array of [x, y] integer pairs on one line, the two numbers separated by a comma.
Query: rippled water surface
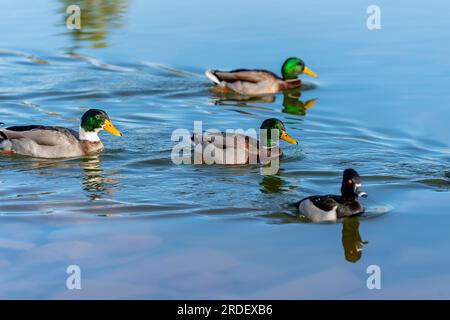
[[141, 227]]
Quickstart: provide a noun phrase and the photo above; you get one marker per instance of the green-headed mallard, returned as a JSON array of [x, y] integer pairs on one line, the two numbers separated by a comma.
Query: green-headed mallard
[[58, 142], [217, 147], [260, 82]]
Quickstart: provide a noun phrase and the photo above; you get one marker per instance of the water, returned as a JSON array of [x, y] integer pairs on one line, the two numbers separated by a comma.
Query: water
[[141, 227]]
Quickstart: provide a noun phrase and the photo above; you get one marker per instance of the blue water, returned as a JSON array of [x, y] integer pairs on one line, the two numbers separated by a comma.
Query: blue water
[[141, 227]]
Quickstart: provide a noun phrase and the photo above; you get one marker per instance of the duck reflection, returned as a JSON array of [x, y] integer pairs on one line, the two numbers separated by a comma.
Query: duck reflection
[[293, 105], [275, 184], [351, 239], [222, 99], [95, 182], [291, 101], [98, 17]]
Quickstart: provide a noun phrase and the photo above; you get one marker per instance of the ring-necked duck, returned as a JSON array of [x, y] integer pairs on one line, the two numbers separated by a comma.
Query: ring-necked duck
[[332, 207]]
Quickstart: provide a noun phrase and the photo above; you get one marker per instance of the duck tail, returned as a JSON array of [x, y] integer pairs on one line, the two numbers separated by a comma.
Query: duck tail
[[3, 136], [211, 74], [5, 144]]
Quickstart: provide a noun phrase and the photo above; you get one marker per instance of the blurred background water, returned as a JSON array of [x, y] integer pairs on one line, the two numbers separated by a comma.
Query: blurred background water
[[141, 227]]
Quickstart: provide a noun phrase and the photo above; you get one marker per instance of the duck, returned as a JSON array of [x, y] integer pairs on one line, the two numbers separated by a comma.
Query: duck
[[329, 208], [240, 148], [52, 142], [260, 82]]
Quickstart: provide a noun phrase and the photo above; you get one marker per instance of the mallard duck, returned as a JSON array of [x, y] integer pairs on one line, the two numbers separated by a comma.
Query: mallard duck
[[236, 148], [58, 142], [260, 82], [332, 207]]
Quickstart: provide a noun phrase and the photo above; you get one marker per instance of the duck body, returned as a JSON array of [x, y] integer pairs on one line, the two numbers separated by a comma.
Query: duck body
[[47, 142], [250, 82], [329, 208], [58, 142], [257, 81]]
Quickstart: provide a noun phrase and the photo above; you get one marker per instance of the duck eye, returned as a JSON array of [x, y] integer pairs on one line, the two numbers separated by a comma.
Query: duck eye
[[350, 181]]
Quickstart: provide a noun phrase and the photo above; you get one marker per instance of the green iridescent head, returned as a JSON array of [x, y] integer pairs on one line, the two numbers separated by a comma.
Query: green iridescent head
[[278, 125], [95, 120], [292, 67]]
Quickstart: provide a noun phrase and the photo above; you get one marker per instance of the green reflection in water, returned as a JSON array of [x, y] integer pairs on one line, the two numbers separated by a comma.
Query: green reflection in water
[[293, 105], [275, 184], [98, 18], [291, 101]]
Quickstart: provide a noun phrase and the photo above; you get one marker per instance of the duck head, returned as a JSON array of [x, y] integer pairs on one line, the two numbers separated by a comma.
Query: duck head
[[351, 185], [92, 122], [293, 67], [275, 124]]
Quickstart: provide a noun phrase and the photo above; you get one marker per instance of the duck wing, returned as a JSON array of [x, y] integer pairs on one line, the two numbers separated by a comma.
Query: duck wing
[[42, 135], [245, 75], [350, 209], [225, 140], [325, 203]]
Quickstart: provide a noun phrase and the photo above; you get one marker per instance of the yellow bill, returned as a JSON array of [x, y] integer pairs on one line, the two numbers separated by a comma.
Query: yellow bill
[[284, 136], [309, 72], [108, 126], [310, 103]]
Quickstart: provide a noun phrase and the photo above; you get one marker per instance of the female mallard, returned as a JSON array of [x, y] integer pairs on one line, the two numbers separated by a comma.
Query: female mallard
[[238, 148], [259, 82], [58, 142]]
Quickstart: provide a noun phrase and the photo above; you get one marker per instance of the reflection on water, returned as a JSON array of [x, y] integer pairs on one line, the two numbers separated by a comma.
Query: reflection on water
[[98, 17], [274, 184], [351, 239], [95, 182], [291, 101], [242, 99], [36, 165], [293, 105]]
